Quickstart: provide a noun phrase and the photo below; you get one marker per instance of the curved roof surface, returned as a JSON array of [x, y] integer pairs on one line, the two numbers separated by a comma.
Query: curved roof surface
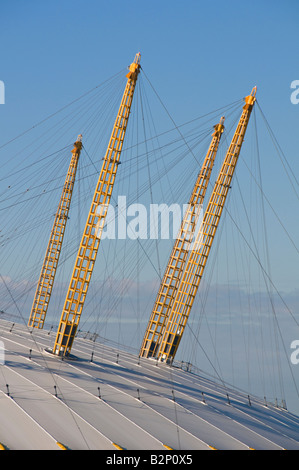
[[112, 400]]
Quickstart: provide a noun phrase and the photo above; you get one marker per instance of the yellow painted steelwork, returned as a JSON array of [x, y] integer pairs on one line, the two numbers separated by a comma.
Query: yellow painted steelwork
[[117, 446], [186, 292], [180, 251], [63, 447], [49, 267], [90, 241]]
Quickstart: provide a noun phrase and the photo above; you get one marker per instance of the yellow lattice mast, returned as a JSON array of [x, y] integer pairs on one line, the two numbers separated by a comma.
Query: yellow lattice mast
[[49, 267], [179, 254], [186, 292], [90, 241]]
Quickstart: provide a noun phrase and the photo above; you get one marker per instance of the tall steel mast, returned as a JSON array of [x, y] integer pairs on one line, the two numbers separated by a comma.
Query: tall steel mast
[[186, 292], [90, 241], [180, 251], [49, 267]]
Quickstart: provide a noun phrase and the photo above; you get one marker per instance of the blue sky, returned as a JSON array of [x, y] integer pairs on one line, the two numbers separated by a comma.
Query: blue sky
[[195, 52], [198, 55]]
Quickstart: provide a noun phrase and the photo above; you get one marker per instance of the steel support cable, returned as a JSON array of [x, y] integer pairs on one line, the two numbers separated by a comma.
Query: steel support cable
[[178, 159], [194, 137], [123, 290], [21, 170], [205, 134], [173, 164], [267, 250], [165, 172], [19, 229], [176, 421], [108, 101], [80, 113], [229, 311], [101, 105], [39, 309], [74, 246], [245, 265], [258, 259], [206, 355], [262, 268], [149, 178], [280, 222], [138, 247], [29, 166], [148, 257], [72, 253], [203, 300], [171, 337], [92, 296], [160, 175], [139, 244], [96, 133], [36, 186], [168, 113], [61, 109]]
